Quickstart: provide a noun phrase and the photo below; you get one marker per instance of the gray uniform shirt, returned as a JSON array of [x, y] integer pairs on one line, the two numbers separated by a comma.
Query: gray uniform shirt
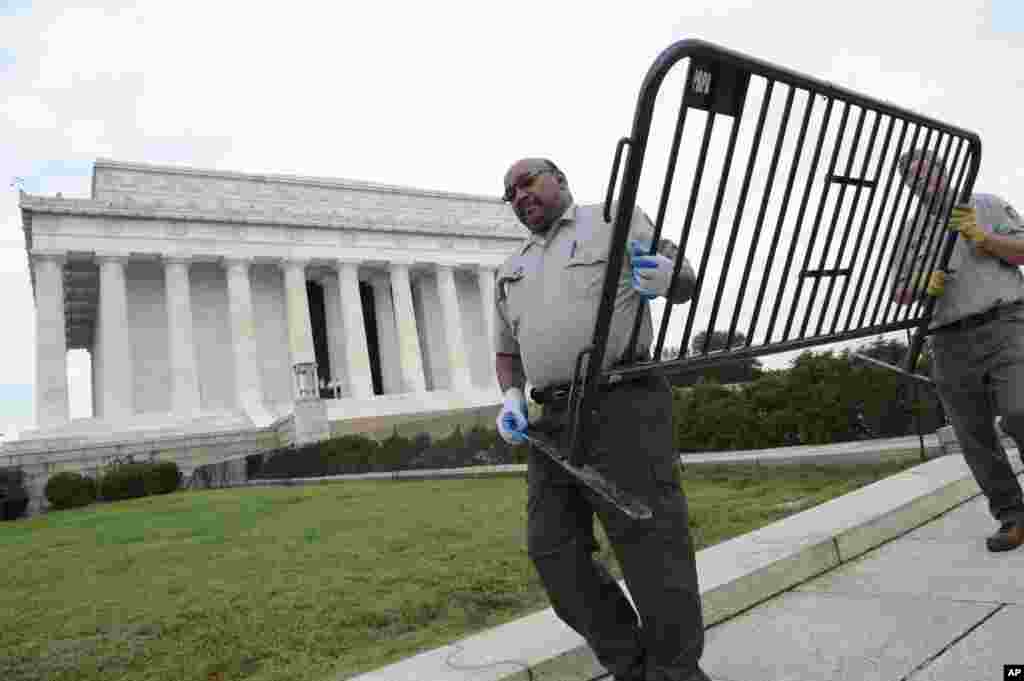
[[974, 283], [548, 293]]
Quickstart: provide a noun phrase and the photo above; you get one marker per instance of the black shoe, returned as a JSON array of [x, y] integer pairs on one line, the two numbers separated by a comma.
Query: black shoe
[[1009, 536]]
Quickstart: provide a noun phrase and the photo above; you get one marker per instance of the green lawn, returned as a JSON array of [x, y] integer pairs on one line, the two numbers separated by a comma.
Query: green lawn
[[304, 583]]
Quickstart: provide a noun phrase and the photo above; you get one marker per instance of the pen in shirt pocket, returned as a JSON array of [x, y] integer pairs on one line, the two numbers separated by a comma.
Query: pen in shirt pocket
[[572, 254]]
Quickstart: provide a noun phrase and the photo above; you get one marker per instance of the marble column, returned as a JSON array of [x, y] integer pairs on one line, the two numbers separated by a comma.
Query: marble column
[[248, 390], [300, 329], [408, 335], [116, 355], [335, 337], [181, 347], [387, 335], [458, 363], [357, 352], [485, 280], [96, 351], [51, 342], [424, 322], [94, 368]]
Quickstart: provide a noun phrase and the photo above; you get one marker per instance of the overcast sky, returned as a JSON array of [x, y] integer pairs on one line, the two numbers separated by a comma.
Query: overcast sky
[[439, 95]]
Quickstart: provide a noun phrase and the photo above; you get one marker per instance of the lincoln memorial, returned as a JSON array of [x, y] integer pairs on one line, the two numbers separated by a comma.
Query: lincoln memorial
[[213, 301]]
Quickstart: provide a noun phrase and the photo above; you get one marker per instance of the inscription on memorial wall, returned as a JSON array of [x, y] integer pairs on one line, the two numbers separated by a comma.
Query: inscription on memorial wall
[[382, 208]]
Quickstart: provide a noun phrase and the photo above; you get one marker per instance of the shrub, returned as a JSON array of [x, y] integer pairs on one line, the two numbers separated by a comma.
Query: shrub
[[253, 465], [462, 449], [161, 477], [286, 462], [352, 454], [13, 495], [435, 457], [480, 439], [275, 465], [124, 481], [421, 443], [70, 490], [508, 454], [12, 509], [339, 456], [395, 453]]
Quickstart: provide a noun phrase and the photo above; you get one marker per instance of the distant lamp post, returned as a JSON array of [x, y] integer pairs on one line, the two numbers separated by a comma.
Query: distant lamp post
[[306, 383]]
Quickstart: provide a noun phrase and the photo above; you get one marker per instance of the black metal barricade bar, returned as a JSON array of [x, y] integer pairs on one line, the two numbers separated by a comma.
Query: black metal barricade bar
[[841, 254]]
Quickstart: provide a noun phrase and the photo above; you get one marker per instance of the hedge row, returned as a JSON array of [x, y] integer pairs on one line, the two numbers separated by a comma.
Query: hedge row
[[124, 481], [822, 398], [353, 454]]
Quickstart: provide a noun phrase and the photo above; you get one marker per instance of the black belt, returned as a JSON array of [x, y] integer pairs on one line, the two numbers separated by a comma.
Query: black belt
[[551, 394], [559, 394], [975, 320]]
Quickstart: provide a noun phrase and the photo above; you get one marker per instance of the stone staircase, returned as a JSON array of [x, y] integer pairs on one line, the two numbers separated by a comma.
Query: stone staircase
[[86, 432], [87, 446]]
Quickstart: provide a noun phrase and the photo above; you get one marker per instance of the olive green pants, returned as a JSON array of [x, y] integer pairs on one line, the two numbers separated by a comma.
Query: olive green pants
[[979, 374], [633, 447]]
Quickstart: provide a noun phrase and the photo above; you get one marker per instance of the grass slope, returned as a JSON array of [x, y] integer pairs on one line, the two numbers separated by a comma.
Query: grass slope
[[271, 584]]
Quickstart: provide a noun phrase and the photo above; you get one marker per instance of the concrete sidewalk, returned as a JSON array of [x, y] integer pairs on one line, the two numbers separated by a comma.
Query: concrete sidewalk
[[931, 605], [891, 582]]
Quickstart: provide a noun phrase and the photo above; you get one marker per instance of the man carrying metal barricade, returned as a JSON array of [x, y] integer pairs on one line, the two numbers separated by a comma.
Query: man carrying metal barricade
[[547, 296], [977, 332], [572, 318]]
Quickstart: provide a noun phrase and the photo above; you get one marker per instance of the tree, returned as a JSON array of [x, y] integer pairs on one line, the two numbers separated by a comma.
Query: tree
[[769, 399], [710, 417], [823, 397]]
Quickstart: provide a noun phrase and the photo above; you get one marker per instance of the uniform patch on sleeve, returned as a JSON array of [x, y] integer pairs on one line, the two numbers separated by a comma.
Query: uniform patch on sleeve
[[667, 249], [1012, 213]]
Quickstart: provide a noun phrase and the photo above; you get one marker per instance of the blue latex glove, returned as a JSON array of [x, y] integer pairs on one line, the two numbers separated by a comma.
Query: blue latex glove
[[652, 274], [511, 420]]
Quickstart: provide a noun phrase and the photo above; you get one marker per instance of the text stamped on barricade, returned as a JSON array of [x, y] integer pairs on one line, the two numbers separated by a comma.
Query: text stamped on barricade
[[716, 86]]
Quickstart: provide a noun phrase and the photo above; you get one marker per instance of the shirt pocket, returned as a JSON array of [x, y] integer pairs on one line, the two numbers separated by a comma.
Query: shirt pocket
[[510, 294], [585, 270]]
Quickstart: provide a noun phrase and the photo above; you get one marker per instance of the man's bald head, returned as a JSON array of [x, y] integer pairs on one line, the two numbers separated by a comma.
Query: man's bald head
[[538, 192], [539, 164], [924, 171]]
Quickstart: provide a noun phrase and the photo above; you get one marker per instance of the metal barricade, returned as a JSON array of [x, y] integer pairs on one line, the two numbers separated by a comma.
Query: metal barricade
[[807, 231]]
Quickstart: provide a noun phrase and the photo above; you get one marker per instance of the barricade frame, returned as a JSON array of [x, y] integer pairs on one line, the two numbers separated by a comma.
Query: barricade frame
[[716, 81]]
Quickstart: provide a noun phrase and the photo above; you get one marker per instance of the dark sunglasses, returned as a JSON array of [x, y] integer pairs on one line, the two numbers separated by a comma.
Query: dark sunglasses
[[524, 182]]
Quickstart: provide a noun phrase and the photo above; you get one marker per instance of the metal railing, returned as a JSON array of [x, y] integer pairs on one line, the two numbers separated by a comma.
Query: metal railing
[[812, 234]]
